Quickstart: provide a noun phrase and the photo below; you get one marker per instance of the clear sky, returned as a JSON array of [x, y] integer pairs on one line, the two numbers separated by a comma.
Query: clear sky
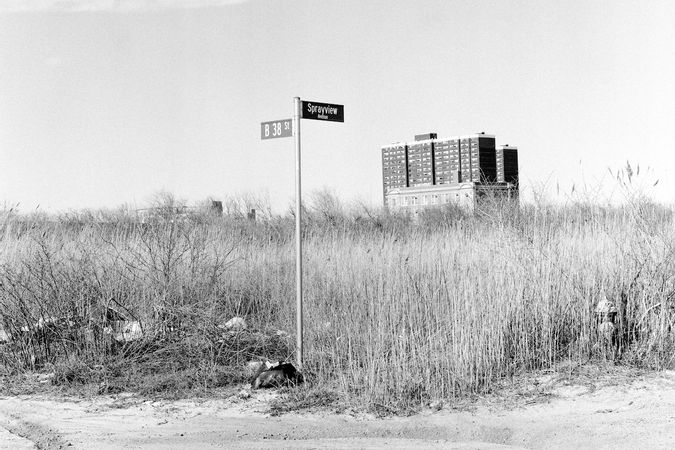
[[105, 102]]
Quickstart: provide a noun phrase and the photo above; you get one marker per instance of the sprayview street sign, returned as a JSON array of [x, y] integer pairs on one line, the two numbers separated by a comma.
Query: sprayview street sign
[[276, 129], [323, 111]]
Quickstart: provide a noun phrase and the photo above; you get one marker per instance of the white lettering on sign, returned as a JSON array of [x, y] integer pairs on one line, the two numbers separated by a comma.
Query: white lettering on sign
[[322, 111], [276, 129]]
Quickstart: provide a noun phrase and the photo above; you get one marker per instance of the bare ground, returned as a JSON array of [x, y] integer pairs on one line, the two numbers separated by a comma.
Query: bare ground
[[593, 410]]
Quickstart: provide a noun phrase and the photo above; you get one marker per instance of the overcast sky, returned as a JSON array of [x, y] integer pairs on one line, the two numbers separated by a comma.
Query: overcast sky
[[106, 102]]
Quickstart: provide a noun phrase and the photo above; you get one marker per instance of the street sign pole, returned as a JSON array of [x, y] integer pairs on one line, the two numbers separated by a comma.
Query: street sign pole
[[297, 111], [284, 128]]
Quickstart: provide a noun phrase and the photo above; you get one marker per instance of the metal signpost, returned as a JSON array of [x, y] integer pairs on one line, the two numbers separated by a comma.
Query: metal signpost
[[280, 128]]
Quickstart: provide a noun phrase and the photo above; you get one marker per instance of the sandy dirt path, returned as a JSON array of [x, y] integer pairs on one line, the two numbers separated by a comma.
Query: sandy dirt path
[[639, 414], [13, 441]]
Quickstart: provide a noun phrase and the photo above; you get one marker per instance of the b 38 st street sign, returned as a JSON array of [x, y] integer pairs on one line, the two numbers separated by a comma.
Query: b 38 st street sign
[[276, 129], [323, 111]]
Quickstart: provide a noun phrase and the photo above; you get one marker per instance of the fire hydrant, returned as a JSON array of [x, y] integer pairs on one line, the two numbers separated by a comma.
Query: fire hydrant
[[606, 312]]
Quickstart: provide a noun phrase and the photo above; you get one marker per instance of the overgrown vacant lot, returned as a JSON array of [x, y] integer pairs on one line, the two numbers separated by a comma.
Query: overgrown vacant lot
[[399, 312]]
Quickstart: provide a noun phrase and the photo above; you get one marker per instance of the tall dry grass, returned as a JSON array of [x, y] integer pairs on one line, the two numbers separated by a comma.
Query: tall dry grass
[[398, 311]]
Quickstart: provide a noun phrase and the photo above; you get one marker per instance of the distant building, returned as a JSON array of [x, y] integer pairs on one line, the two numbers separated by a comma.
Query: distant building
[[465, 195], [462, 170], [420, 163], [478, 158], [171, 213], [217, 207], [446, 161], [507, 164], [394, 167]]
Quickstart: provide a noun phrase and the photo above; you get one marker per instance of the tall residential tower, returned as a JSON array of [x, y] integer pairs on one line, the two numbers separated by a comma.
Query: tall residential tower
[[431, 171]]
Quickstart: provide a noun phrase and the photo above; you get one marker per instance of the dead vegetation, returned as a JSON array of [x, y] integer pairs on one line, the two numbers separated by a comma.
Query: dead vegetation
[[401, 312]]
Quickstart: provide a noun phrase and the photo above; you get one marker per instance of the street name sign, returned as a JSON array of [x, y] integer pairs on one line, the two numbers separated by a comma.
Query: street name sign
[[276, 129], [323, 111]]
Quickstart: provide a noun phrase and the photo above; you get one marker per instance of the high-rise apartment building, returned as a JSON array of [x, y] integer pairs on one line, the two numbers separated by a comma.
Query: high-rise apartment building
[[507, 164], [434, 171], [394, 167], [477, 158], [446, 161], [421, 163]]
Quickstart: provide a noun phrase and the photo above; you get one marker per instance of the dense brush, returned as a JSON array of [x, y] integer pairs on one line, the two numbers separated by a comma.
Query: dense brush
[[398, 311]]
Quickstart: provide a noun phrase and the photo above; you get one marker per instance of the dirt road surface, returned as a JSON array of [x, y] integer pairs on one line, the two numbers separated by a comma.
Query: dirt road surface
[[635, 414]]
